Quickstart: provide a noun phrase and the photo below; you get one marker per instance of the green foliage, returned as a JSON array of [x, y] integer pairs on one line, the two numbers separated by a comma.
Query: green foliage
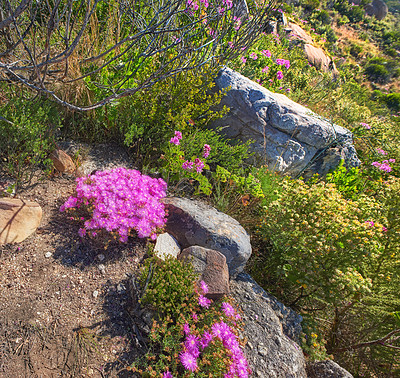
[[171, 292], [167, 285], [393, 101], [321, 240], [377, 73], [27, 132], [349, 182]]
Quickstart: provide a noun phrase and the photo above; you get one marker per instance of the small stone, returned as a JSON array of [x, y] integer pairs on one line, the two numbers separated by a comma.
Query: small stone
[[101, 257], [48, 254], [102, 268], [121, 288], [166, 245], [95, 294], [262, 352]]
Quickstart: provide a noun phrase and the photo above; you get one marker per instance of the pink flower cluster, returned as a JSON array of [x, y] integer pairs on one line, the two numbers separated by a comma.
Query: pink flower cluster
[[176, 139], [194, 345], [122, 200], [266, 53], [365, 125], [279, 75], [385, 165], [381, 151], [283, 62]]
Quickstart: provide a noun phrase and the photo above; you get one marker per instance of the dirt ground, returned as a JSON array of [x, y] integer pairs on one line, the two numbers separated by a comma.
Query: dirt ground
[[65, 307]]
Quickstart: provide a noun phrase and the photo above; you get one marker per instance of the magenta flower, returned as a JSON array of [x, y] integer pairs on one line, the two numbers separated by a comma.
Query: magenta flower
[[186, 328], [167, 374], [175, 140], [243, 59], [265, 69], [279, 75], [178, 134], [187, 165], [203, 287], [228, 309], [206, 151], [254, 56], [365, 125], [191, 344], [204, 302], [231, 45], [371, 223], [199, 165], [206, 339], [266, 53], [188, 361]]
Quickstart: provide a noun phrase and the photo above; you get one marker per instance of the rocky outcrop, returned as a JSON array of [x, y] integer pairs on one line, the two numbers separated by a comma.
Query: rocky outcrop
[[194, 223], [271, 330], [296, 33], [326, 369], [288, 137], [377, 9], [211, 267], [317, 58], [18, 219]]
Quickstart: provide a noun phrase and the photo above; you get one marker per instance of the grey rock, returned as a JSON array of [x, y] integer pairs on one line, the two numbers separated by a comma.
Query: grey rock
[[48, 254], [276, 354], [288, 137], [211, 267], [326, 369], [194, 223], [95, 294], [166, 245], [377, 8]]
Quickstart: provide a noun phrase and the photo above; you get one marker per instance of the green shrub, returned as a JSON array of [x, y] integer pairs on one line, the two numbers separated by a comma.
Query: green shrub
[[321, 241], [393, 101], [377, 73], [27, 132]]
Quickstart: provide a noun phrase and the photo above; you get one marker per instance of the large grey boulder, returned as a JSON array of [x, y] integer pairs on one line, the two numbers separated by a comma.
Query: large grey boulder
[[377, 8], [271, 330], [194, 223], [326, 369], [288, 137]]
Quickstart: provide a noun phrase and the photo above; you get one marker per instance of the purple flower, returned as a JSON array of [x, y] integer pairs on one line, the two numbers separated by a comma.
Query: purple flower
[[279, 75], [187, 165], [204, 302], [206, 151], [228, 309], [204, 287], [266, 53], [199, 165], [178, 134], [191, 344], [186, 328], [175, 140], [206, 339], [188, 361], [167, 374]]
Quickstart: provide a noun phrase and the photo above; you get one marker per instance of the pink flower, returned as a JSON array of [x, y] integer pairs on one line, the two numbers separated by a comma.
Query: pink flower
[[206, 339], [192, 345], [204, 287], [206, 151], [228, 309], [265, 69], [279, 75], [253, 56], [195, 317], [371, 223], [204, 302], [175, 140], [188, 361], [186, 328], [365, 125], [231, 45], [167, 374], [187, 165], [384, 229], [243, 59], [178, 134], [266, 53], [199, 165]]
